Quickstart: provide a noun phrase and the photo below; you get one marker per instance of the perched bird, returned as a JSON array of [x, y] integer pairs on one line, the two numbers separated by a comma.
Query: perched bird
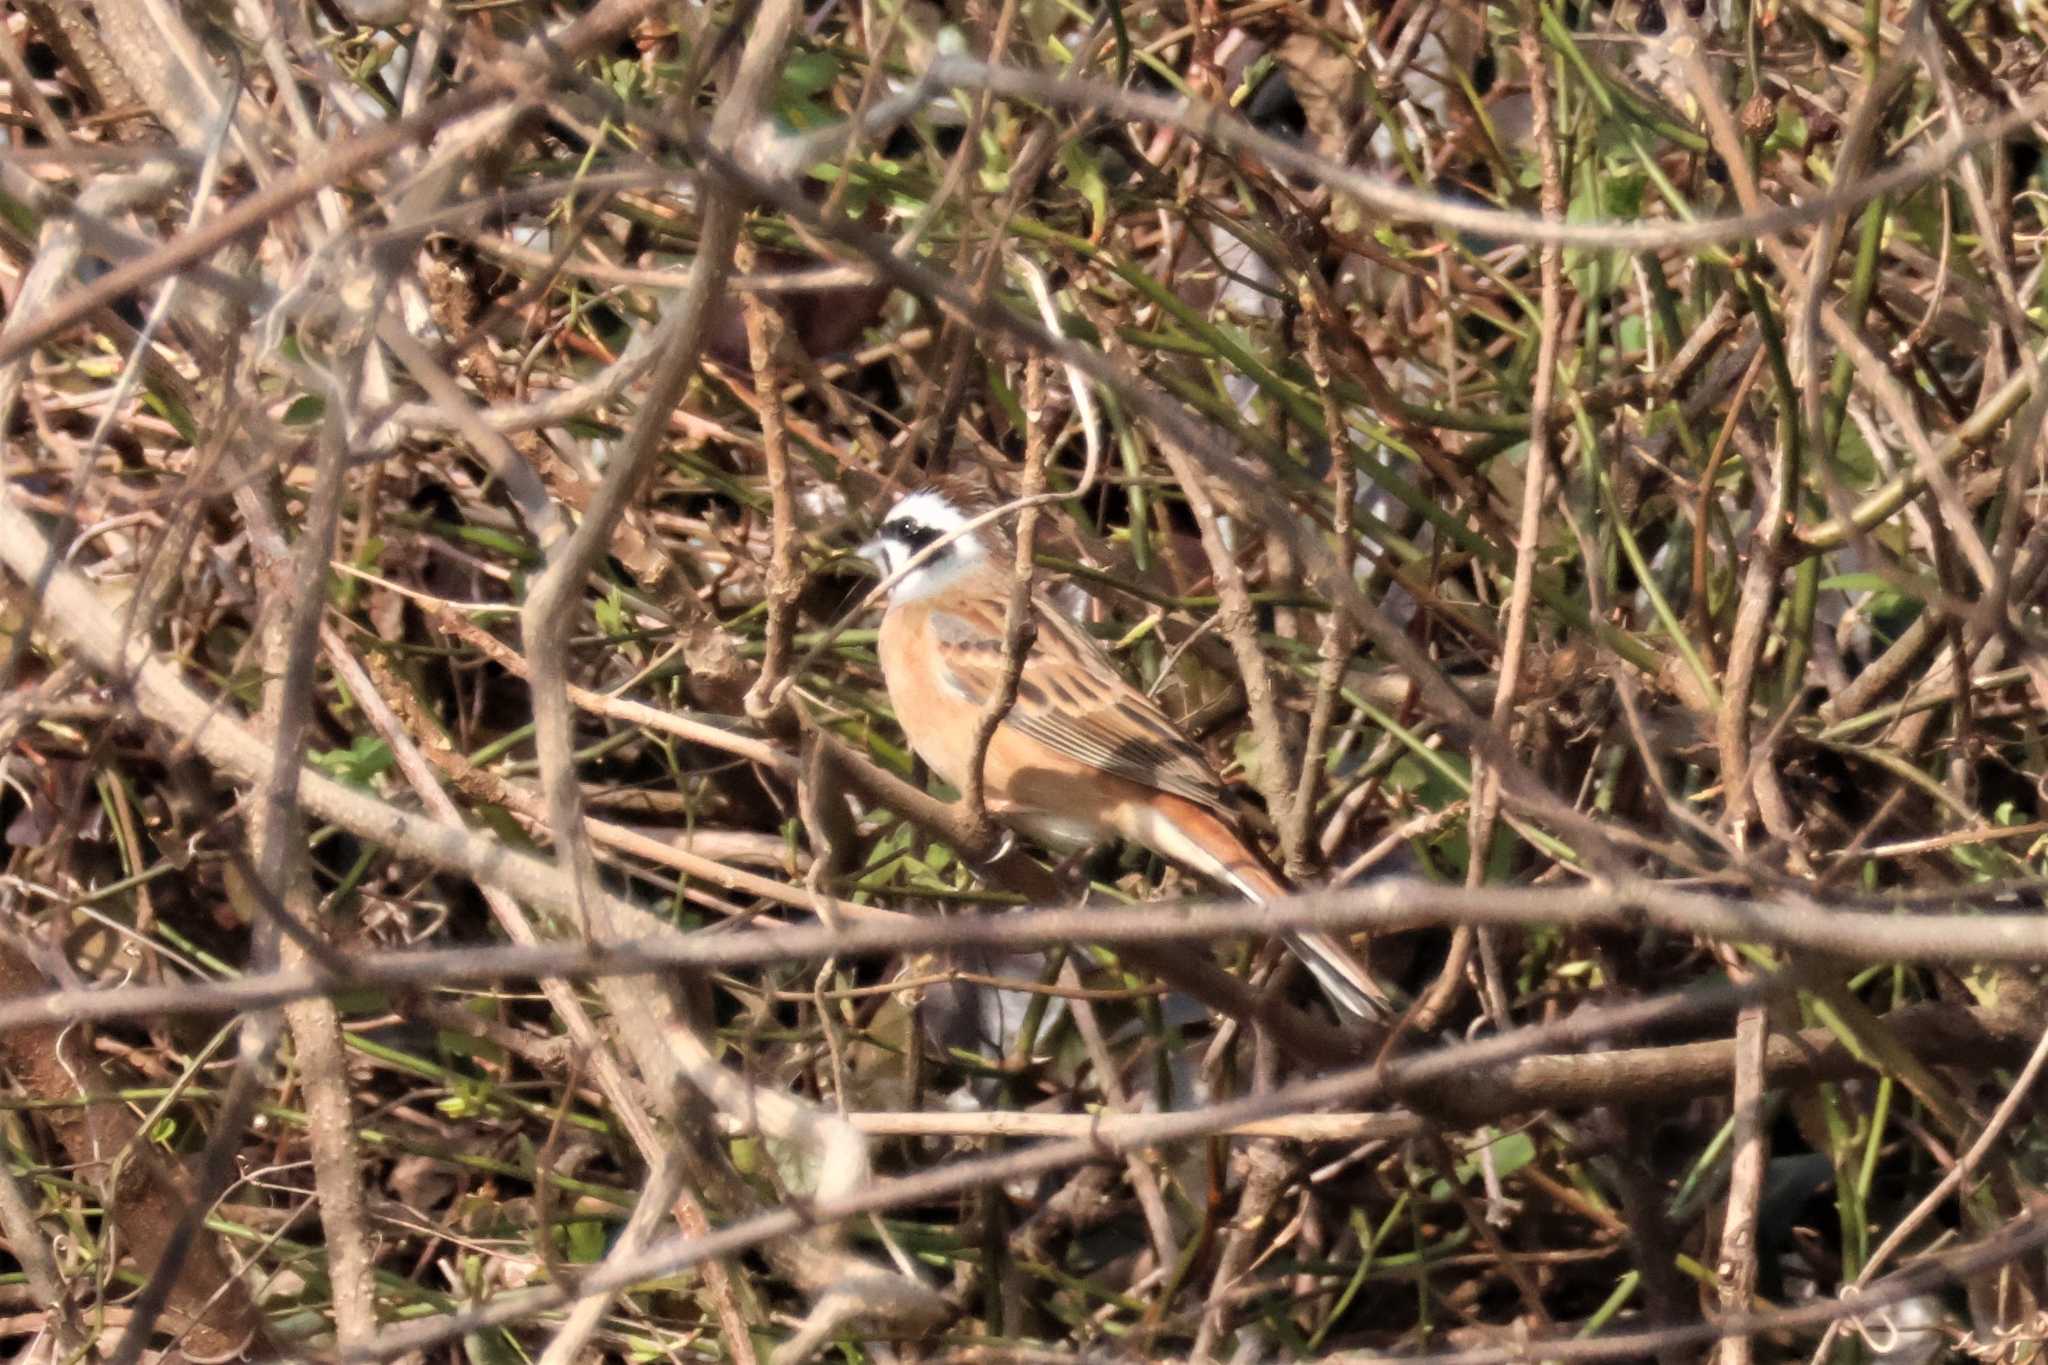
[[1083, 756]]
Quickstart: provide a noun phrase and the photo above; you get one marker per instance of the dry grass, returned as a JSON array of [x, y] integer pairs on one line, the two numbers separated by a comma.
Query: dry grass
[[1576, 469]]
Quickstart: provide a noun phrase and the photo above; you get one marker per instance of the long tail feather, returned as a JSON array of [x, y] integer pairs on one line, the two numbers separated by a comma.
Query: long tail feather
[[1347, 981], [1200, 839]]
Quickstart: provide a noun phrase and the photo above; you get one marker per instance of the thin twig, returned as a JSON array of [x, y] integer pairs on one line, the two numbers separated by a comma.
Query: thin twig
[[904, 1191], [1334, 655], [1239, 626], [1391, 200], [1737, 1267], [1020, 628], [766, 338]]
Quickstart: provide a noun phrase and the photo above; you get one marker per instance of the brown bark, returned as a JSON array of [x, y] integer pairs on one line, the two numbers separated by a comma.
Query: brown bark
[[144, 1191]]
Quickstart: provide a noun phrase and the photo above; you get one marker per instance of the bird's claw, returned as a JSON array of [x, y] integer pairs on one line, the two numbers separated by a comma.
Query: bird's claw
[[1006, 844]]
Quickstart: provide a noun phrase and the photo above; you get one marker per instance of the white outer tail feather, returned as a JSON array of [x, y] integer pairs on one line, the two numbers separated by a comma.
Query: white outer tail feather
[[1346, 980]]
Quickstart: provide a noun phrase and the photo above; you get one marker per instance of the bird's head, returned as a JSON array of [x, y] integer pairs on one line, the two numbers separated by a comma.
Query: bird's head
[[923, 519]]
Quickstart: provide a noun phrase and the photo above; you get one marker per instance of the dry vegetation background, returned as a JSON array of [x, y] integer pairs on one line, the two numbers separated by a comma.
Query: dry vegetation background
[[1577, 467]]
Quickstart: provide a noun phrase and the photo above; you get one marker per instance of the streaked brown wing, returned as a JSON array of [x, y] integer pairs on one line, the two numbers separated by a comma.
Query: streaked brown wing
[[1072, 700]]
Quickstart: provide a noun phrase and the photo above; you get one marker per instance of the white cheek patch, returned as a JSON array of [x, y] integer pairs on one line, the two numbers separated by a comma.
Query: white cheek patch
[[943, 568], [935, 575]]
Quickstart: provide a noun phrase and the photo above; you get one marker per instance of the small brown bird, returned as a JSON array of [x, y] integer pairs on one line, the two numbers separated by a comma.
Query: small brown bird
[[1083, 756]]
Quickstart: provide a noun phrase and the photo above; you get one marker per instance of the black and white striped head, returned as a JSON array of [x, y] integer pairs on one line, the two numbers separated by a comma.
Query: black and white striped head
[[918, 521]]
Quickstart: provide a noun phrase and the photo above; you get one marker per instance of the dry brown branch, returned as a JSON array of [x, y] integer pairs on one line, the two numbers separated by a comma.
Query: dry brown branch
[[1266, 1171], [1191, 436], [516, 82], [1736, 1266], [1158, 1222], [619, 1088], [1812, 452], [984, 266], [166, 698], [39, 1268], [767, 338], [278, 850], [148, 1195], [666, 1048], [1855, 936], [1447, 1065], [624, 711], [1226, 130], [661, 852], [1020, 629], [656, 1203], [1940, 1035], [1952, 1180], [1528, 534], [1239, 627], [1332, 655]]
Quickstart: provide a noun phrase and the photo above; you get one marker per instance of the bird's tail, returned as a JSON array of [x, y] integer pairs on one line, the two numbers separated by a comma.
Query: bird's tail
[[1348, 982], [1199, 838]]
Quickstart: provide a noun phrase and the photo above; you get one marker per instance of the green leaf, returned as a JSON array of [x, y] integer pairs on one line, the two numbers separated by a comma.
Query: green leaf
[[583, 1241], [172, 411], [808, 73], [610, 612], [490, 1348], [1602, 197], [1791, 133], [1856, 582], [457, 1044], [359, 764], [1510, 1154], [305, 410], [1084, 173]]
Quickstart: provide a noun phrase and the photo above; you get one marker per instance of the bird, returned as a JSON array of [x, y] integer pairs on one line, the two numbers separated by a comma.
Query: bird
[[1082, 757]]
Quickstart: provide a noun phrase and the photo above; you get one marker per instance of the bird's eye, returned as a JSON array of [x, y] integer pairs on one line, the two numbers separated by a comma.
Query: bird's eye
[[911, 533]]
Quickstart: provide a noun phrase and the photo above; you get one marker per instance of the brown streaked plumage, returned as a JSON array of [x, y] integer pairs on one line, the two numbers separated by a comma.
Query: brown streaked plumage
[[1082, 756]]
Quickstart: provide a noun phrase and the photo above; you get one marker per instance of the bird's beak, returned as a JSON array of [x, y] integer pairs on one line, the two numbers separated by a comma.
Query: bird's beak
[[875, 553]]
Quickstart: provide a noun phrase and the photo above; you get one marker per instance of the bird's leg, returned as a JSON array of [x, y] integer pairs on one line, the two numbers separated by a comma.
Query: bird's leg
[[1073, 871]]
